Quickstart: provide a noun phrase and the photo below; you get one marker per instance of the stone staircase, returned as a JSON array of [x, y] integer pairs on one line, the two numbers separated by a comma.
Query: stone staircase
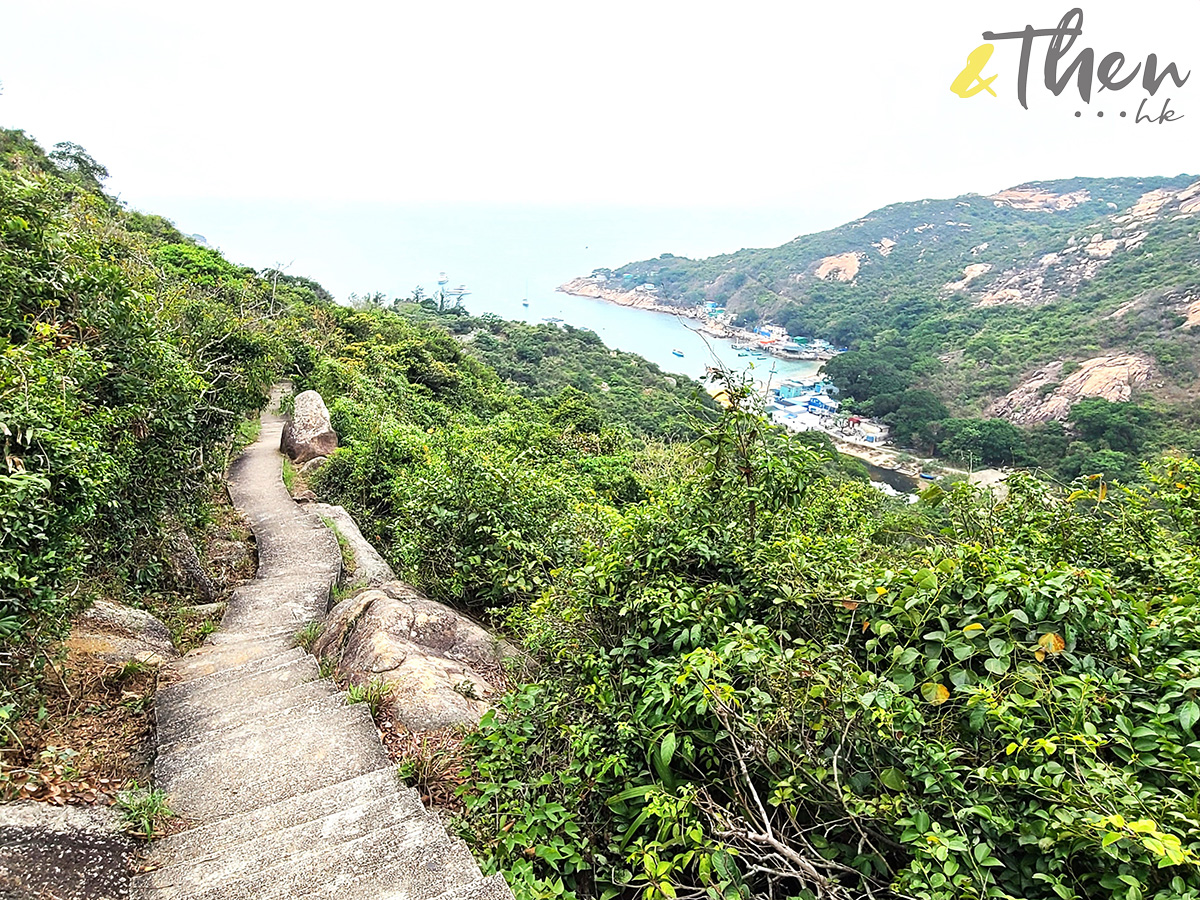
[[287, 791]]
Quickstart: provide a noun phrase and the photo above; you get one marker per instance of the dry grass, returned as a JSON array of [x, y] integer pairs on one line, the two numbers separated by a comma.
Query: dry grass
[[433, 762], [96, 735]]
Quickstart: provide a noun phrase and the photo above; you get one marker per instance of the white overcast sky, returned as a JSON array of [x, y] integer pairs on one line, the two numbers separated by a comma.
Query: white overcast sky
[[619, 102]]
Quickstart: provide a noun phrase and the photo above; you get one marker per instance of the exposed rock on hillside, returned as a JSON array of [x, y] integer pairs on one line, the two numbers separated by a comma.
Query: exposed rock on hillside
[[1046, 395], [970, 273], [1148, 206], [842, 267], [1032, 197], [308, 433], [1051, 276], [116, 634], [440, 666], [370, 569]]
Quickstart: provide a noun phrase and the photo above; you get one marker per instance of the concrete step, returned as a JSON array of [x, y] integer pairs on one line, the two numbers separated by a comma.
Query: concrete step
[[281, 743], [230, 686], [210, 659], [174, 724], [195, 683], [287, 765], [314, 711], [351, 823], [415, 864], [280, 634], [306, 583], [206, 840]]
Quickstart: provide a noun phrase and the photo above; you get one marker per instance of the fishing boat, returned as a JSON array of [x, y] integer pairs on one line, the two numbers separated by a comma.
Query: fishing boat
[[677, 352], [524, 302], [744, 353]]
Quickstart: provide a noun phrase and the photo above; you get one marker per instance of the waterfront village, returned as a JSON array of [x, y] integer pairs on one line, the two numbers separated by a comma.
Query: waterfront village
[[796, 404]]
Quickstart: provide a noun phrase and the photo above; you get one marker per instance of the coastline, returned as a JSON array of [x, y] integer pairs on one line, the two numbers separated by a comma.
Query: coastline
[[645, 297], [880, 457], [635, 298]]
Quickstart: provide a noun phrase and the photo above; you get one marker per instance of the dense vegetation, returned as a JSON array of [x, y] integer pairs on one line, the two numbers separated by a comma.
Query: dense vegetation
[[547, 362], [754, 675], [127, 358], [933, 350], [1098, 436]]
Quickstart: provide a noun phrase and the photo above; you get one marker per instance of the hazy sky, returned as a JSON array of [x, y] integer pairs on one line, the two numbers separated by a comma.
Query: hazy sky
[[837, 107]]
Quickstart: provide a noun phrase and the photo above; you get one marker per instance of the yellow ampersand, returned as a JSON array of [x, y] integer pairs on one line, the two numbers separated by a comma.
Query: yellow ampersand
[[970, 81]]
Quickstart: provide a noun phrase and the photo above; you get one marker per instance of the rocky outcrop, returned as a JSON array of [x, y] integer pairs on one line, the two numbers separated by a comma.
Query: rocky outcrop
[[842, 267], [309, 432], [970, 273], [118, 635], [1046, 395], [370, 569], [1032, 197], [639, 297], [439, 667]]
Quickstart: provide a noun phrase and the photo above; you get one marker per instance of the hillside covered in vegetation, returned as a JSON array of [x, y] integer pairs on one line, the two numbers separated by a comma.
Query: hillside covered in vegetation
[[1011, 308], [750, 675]]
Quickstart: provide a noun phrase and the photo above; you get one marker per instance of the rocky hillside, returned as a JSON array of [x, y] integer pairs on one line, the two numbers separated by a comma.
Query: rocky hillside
[[989, 293]]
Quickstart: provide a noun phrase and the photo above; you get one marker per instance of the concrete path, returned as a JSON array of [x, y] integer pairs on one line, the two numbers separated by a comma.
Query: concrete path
[[287, 791]]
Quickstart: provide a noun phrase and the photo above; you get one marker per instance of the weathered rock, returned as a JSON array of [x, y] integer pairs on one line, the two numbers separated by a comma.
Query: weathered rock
[[370, 569], [313, 464], [304, 495], [120, 634], [440, 666], [228, 556], [185, 564], [63, 852], [1047, 395], [309, 433], [204, 610]]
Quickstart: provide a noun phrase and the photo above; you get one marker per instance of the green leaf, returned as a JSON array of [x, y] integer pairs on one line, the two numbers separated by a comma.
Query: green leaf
[[666, 750], [1189, 713], [892, 778], [629, 793], [997, 666]]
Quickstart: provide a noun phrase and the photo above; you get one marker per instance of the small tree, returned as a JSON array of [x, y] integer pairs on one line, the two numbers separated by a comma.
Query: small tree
[[77, 164]]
